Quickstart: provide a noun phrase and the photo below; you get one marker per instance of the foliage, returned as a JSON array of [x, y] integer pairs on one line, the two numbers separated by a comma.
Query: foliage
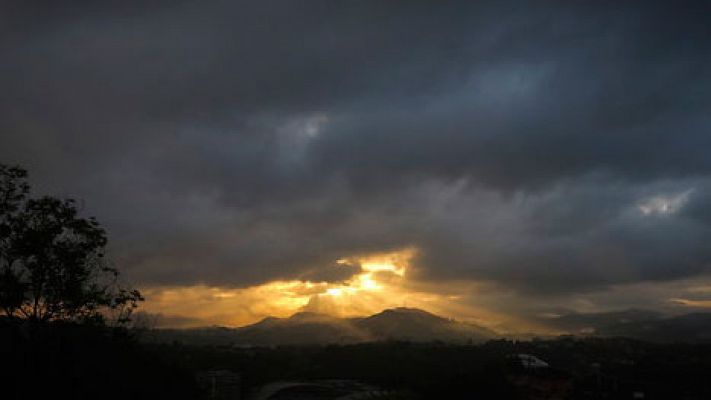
[[59, 359], [611, 368], [52, 264]]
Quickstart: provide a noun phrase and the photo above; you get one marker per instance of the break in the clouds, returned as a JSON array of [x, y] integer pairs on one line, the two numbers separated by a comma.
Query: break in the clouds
[[548, 148]]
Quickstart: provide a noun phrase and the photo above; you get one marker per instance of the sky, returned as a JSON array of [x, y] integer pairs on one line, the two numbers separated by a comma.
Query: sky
[[496, 162]]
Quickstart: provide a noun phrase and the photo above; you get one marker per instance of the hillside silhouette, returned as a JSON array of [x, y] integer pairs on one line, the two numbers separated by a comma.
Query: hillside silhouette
[[307, 328], [638, 324]]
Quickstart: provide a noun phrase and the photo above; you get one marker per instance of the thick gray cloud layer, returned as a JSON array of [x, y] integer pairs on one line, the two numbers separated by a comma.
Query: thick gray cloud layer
[[550, 147]]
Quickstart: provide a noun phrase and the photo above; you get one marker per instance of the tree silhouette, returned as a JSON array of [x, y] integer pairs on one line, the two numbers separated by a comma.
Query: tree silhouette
[[52, 264]]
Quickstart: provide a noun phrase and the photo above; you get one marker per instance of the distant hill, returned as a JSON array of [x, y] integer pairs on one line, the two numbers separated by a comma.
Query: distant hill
[[588, 323], [300, 328], [420, 326], [316, 329], [638, 324]]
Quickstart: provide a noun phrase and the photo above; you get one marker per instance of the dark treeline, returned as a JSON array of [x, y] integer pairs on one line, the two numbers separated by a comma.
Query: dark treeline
[[80, 361], [89, 362], [593, 368]]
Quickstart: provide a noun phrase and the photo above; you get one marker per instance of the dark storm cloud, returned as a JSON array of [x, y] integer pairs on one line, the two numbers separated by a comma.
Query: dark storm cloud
[[570, 237], [233, 143], [339, 273]]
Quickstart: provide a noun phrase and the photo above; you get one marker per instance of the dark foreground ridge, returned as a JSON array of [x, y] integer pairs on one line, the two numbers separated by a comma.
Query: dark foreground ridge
[[57, 360], [62, 360], [564, 368]]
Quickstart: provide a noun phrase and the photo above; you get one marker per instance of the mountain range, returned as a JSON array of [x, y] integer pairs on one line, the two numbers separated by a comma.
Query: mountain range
[[415, 325], [307, 328], [637, 324]]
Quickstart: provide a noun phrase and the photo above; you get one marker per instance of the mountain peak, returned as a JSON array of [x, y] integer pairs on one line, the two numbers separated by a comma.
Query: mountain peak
[[309, 315], [406, 312], [310, 328]]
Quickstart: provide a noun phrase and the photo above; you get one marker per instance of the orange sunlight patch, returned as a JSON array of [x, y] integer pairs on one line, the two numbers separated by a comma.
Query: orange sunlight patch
[[381, 283]]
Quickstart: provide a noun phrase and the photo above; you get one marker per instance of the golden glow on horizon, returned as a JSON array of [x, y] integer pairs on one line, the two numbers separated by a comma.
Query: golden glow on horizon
[[381, 283], [334, 291], [384, 281], [394, 264], [692, 303]]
